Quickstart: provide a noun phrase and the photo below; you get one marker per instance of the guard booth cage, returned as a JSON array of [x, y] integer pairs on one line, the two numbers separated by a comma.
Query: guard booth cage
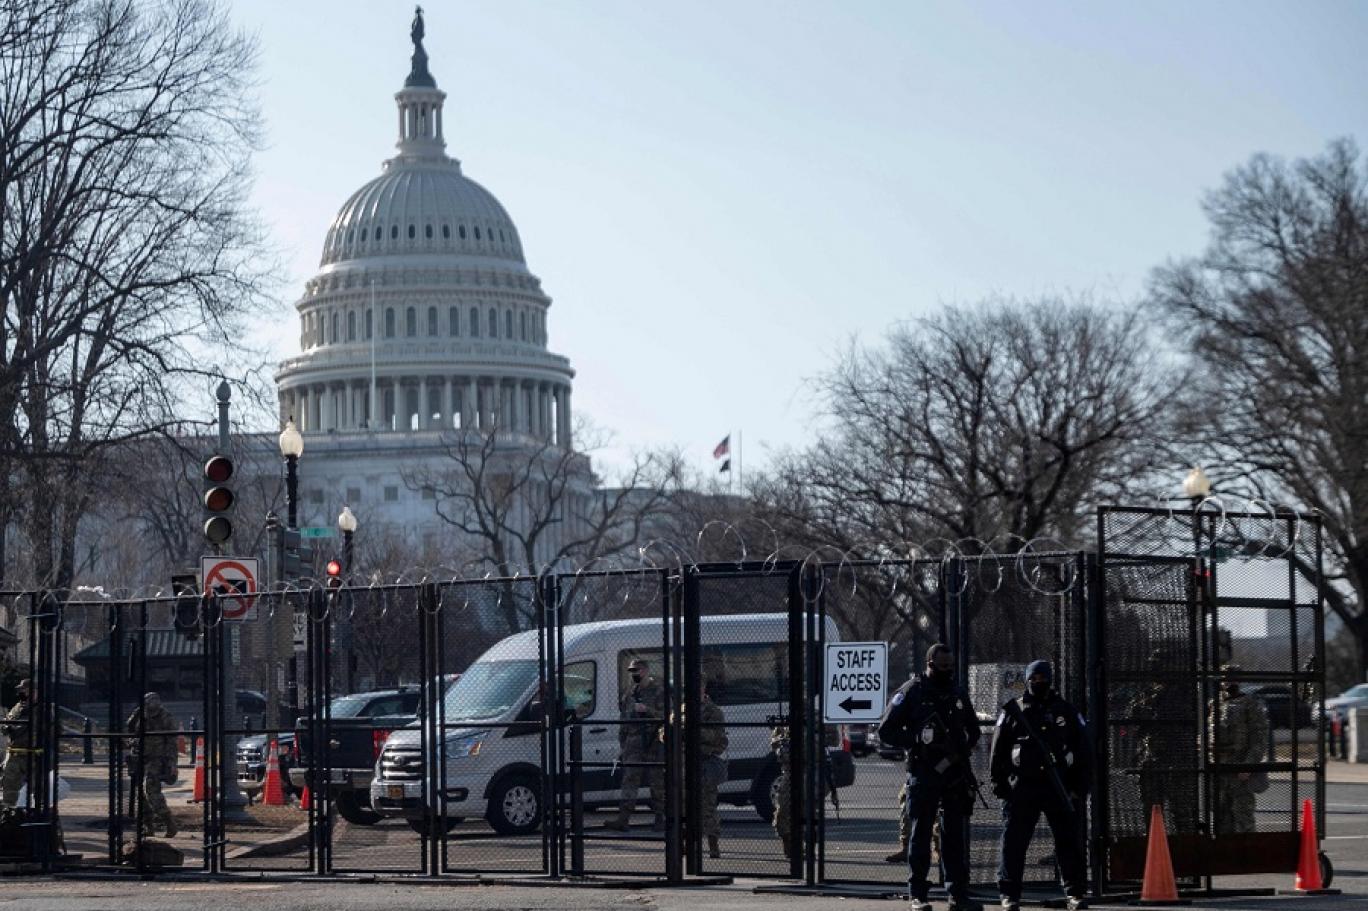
[[480, 727], [1208, 687]]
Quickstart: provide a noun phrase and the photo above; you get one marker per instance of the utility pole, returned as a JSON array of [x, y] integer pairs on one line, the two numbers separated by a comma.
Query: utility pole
[[234, 803]]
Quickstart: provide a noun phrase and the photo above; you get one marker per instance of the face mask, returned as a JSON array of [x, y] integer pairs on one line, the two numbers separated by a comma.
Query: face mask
[[1039, 689], [940, 676], [636, 676]]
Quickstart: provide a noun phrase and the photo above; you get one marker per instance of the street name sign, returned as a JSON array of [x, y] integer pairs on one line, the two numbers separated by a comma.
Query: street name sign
[[856, 680], [318, 531]]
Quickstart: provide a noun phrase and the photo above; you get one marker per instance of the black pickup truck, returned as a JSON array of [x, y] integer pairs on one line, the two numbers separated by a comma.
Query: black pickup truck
[[360, 723]]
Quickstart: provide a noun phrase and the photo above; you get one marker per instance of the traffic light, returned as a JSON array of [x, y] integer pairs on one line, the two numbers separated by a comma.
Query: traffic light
[[334, 571], [185, 586], [218, 500]]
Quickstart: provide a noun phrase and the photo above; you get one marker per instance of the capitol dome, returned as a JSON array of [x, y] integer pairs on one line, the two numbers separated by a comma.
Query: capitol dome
[[423, 314]]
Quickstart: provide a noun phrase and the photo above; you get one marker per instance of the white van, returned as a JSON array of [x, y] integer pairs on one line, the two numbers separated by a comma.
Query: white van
[[492, 742]]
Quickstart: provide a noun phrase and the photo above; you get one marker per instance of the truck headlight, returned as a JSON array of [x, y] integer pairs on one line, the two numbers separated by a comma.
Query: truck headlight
[[466, 746]]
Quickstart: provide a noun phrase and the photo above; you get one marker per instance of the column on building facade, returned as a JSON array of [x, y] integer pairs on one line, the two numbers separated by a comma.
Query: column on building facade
[[424, 406], [546, 411], [469, 404], [514, 416], [491, 404], [569, 432], [449, 403], [301, 410], [315, 408], [506, 404]]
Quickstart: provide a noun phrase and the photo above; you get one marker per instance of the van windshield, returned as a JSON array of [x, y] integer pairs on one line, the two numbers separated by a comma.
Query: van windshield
[[488, 689]]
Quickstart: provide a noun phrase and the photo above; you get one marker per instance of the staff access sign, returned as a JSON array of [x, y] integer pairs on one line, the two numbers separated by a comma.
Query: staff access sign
[[856, 681], [234, 579]]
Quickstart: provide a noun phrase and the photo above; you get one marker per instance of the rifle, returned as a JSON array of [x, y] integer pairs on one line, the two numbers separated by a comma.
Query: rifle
[[827, 781], [961, 751], [1013, 708]]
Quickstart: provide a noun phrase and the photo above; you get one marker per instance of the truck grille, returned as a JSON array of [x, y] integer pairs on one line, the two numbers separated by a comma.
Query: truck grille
[[249, 755], [401, 764]]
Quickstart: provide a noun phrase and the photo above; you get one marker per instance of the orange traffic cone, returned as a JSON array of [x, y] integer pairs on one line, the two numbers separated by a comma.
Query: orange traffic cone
[[197, 791], [1308, 881], [272, 794], [304, 801], [1159, 887]]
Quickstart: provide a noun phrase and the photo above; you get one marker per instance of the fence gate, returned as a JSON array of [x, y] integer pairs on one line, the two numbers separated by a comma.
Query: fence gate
[[1207, 697]]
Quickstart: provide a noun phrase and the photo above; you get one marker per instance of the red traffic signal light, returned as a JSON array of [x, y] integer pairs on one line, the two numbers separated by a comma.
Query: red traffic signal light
[[218, 500], [334, 569]]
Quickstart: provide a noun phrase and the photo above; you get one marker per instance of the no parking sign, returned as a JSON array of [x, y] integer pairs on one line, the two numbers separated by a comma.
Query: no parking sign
[[234, 579]]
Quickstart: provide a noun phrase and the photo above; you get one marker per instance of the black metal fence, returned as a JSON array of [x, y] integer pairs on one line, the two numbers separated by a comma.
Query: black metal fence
[[492, 726]]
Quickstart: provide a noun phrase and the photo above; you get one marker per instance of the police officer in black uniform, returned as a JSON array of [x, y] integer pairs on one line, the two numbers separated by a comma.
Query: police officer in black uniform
[[1022, 777], [931, 718]]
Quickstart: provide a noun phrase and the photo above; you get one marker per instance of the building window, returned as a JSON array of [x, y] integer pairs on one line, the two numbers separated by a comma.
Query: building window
[[474, 322], [454, 321], [493, 323], [427, 231], [446, 232], [410, 322], [394, 232], [522, 325], [411, 232], [379, 232], [508, 324], [349, 235], [461, 229], [432, 321], [477, 232], [370, 324], [351, 325], [391, 494], [389, 322], [318, 328], [501, 236]]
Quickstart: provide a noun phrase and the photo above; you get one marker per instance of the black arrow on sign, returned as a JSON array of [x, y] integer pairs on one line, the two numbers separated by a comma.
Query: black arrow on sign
[[850, 704]]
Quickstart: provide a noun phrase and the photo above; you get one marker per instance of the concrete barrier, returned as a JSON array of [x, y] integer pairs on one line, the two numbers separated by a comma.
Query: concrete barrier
[[1358, 735]]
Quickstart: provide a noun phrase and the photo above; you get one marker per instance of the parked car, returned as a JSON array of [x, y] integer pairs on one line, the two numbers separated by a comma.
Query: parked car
[[251, 761], [862, 738], [360, 723], [1356, 697], [887, 751]]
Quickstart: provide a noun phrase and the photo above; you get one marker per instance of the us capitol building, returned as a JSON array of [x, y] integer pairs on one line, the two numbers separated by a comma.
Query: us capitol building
[[422, 321]]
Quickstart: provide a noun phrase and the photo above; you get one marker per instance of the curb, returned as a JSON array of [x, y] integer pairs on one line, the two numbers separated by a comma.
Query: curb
[[290, 841]]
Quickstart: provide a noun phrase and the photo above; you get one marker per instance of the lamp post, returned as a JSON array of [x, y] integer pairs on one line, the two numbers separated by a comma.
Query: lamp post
[[346, 521], [291, 447]]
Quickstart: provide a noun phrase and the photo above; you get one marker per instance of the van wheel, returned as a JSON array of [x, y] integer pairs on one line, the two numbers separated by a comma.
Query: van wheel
[[762, 791], [349, 807], [515, 806], [423, 827]]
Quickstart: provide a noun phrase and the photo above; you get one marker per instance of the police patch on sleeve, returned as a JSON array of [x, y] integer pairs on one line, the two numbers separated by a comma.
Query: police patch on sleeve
[[1002, 718], [898, 698]]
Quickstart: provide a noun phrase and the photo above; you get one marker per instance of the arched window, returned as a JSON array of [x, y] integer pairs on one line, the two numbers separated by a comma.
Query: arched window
[[394, 232], [318, 329], [427, 231], [446, 232], [351, 325], [474, 322], [411, 232], [522, 325], [389, 322], [477, 233], [461, 230], [432, 321], [410, 322], [508, 324], [501, 236], [379, 232], [454, 321], [493, 323], [370, 324], [332, 333]]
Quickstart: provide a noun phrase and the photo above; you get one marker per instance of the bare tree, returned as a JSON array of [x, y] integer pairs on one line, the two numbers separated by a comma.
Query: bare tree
[[128, 258], [524, 505], [1275, 315], [990, 425]]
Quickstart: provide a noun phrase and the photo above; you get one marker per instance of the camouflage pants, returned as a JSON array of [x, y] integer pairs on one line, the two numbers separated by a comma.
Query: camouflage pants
[[905, 827], [634, 776], [13, 777], [1234, 807], [782, 799], [154, 811], [708, 821]]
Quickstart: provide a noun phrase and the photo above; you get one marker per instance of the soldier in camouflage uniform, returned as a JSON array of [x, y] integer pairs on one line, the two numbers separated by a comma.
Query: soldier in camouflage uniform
[[712, 743], [154, 748], [1164, 717], [20, 754], [779, 746], [640, 742], [1239, 735]]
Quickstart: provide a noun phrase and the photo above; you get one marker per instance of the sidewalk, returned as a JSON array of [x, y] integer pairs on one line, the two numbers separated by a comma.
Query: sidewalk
[[1337, 772]]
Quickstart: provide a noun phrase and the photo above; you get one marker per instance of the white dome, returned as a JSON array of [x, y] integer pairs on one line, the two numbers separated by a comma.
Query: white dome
[[422, 207]]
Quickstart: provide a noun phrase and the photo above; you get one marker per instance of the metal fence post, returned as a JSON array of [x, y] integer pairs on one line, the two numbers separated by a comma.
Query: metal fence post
[[87, 744], [576, 801]]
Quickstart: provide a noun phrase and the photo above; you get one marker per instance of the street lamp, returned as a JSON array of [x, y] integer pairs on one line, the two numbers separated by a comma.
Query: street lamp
[[291, 447], [1196, 486], [346, 521]]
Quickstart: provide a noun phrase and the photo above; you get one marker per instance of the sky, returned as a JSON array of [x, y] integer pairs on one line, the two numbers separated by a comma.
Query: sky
[[720, 196]]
